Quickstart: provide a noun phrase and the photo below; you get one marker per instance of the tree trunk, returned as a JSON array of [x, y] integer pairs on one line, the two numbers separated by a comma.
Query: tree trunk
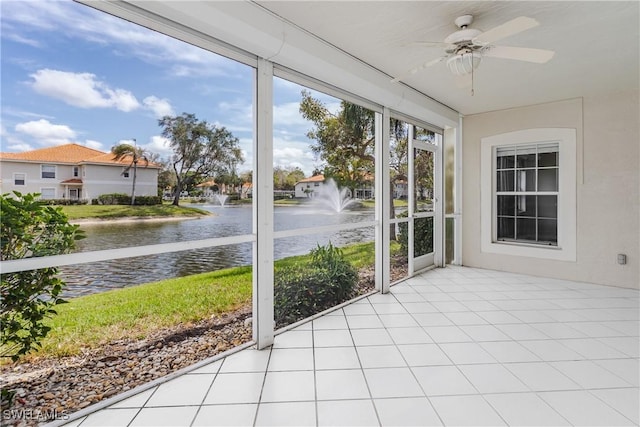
[[133, 187], [176, 194]]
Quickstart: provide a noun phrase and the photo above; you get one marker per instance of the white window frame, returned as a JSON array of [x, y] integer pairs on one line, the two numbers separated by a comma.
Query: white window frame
[[566, 139], [55, 171], [126, 173], [75, 171], [24, 179], [55, 193]]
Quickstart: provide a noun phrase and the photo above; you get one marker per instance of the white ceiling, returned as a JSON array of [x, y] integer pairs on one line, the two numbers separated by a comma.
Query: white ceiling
[[596, 43]]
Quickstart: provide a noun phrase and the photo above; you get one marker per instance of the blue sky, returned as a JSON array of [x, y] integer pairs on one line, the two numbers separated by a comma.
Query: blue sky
[[73, 74]]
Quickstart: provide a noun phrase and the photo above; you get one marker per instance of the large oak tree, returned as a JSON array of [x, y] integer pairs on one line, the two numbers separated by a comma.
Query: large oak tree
[[200, 150]]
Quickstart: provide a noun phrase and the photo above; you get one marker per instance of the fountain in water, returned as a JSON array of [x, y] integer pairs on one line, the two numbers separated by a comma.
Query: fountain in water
[[331, 197], [221, 198]]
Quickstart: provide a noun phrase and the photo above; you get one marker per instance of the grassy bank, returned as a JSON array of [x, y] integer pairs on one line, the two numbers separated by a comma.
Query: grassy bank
[[94, 320], [75, 212]]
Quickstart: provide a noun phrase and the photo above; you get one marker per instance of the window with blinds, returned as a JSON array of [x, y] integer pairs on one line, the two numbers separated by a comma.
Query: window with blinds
[[526, 193]]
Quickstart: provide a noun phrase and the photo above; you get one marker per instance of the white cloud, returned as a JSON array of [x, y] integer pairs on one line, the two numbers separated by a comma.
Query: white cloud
[[46, 133], [82, 90], [77, 21], [19, 147], [24, 40], [96, 145], [160, 145], [289, 115], [159, 107], [293, 153]]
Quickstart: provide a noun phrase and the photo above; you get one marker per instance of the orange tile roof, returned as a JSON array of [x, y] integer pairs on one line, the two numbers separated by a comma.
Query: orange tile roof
[[72, 181], [209, 183], [316, 178], [68, 153]]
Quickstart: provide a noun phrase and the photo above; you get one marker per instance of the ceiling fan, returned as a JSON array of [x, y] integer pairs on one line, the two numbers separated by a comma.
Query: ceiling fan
[[465, 48]]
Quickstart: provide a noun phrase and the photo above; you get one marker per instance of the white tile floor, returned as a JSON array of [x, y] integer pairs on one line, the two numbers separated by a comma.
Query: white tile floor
[[454, 346]]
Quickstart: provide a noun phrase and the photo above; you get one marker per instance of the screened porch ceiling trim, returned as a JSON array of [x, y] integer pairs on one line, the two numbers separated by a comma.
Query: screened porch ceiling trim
[[239, 28]]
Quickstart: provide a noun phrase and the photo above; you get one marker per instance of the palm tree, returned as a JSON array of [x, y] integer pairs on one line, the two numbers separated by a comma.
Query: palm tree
[[135, 154]]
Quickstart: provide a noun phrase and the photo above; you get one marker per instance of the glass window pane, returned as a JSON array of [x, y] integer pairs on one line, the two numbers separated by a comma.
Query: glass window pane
[[505, 158], [526, 157], [548, 230], [547, 206], [526, 206], [48, 171], [399, 168], [548, 179], [506, 228], [422, 236], [548, 155], [424, 135], [505, 181], [399, 252], [526, 229], [47, 193], [449, 175], [449, 240], [526, 180], [507, 205], [423, 180]]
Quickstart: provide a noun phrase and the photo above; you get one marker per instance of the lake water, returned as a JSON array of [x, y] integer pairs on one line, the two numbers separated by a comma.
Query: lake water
[[96, 277]]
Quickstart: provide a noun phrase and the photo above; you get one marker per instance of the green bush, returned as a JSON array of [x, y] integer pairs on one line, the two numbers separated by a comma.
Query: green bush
[[148, 200], [114, 199], [423, 235], [302, 290], [30, 229], [125, 199], [63, 202]]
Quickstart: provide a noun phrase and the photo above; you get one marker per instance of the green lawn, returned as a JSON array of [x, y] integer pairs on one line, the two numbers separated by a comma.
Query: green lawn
[[74, 212], [94, 320]]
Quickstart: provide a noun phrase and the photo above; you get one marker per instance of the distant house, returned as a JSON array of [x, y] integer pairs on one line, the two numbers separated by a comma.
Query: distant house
[[309, 187], [73, 172], [247, 190], [210, 188]]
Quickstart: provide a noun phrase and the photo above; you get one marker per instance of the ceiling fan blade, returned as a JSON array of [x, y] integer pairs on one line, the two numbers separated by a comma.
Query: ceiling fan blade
[[416, 69], [539, 56], [505, 30]]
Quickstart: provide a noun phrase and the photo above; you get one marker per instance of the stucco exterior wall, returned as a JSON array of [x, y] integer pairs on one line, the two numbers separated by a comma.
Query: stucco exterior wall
[[607, 181], [34, 183], [315, 187], [96, 179], [100, 179]]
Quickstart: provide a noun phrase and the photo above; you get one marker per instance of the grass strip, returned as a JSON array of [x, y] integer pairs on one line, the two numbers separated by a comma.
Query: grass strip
[[91, 321], [74, 212]]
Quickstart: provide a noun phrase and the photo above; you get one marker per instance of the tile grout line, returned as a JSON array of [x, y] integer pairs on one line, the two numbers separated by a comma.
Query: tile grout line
[[355, 347], [204, 397], [315, 380], [264, 380]]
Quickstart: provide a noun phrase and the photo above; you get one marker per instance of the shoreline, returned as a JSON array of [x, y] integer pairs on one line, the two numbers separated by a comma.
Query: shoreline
[[129, 219]]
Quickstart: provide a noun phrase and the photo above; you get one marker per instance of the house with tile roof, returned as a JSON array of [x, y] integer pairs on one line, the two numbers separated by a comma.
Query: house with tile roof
[[309, 186], [74, 172]]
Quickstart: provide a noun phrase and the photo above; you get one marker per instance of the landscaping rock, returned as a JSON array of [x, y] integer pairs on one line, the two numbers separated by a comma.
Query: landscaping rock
[[54, 388]]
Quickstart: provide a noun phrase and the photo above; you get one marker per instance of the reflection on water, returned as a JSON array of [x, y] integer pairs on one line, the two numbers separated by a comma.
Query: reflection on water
[[96, 277]]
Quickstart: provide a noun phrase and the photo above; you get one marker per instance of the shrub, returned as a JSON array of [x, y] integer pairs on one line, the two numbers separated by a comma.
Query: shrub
[[148, 200], [63, 202], [125, 199], [303, 290], [114, 199], [423, 235], [30, 229]]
